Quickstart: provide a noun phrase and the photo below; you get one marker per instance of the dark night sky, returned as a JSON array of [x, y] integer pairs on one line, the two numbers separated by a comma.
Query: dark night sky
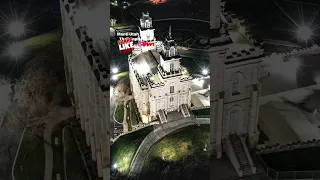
[[46, 14]]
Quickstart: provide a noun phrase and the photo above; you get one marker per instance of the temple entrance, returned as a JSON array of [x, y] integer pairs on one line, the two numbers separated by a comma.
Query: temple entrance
[[235, 121]]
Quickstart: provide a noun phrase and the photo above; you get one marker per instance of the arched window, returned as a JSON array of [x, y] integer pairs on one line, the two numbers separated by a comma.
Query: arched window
[[171, 67], [172, 51], [236, 85]]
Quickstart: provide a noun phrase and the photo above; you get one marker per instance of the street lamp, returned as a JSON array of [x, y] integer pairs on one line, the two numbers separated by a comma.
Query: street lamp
[[304, 33], [115, 70], [16, 49], [16, 28]]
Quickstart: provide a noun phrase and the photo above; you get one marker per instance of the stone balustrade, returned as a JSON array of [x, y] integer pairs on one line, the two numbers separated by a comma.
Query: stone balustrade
[[287, 147], [296, 52]]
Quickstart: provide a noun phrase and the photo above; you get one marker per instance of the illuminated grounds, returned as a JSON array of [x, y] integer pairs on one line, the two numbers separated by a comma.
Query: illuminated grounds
[[181, 155]]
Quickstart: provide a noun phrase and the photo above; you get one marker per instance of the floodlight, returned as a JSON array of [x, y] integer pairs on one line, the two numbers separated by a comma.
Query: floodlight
[[16, 49], [115, 70], [205, 72], [304, 33], [114, 77], [115, 166], [142, 68], [16, 28]]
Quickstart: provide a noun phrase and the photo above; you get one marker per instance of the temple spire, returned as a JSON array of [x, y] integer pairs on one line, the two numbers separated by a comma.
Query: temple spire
[[170, 37]]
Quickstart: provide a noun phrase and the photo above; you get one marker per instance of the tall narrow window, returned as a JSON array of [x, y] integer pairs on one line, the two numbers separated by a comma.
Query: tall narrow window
[[171, 99], [171, 89], [172, 51], [233, 121], [235, 85], [171, 66]]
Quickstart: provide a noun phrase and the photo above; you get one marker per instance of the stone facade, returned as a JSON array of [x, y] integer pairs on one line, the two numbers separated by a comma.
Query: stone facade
[[235, 87], [87, 81], [158, 82]]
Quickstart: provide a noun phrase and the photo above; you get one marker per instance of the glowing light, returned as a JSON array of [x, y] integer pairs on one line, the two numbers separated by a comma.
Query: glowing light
[[16, 28], [198, 82], [115, 70], [113, 22], [158, 1], [143, 68], [316, 77], [115, 166], [304, 33], [114, 77], [16, 49], [205, 72]]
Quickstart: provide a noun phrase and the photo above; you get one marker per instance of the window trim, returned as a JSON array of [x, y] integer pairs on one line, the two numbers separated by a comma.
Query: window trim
[[172, 89], [236, 85]]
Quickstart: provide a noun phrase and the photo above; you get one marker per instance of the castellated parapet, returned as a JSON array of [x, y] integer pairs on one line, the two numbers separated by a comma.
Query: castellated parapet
[[94, 59]]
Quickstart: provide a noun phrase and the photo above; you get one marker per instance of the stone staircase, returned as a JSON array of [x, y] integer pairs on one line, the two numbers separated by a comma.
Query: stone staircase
[[185, 110], [240, 152], [86, 150], [162, 116]]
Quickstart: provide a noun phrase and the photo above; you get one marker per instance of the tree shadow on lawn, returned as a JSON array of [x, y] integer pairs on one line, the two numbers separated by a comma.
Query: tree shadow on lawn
[[182, 155]]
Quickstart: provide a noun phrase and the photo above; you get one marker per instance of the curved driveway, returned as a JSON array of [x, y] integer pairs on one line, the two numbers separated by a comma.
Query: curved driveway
[[158, 133]]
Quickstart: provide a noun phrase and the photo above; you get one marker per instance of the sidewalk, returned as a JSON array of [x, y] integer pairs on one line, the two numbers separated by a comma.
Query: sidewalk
[[54, 116], [124, 122]]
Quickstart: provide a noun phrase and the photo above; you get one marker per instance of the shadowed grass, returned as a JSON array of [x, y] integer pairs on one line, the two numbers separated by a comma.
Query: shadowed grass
[[175, 155], [119, 113], [75, 166], [31, 159], [36, 43]]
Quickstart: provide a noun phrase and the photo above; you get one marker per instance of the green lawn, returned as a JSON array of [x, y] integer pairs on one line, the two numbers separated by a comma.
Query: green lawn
[[119, 113], [37, 43], [183, 155], [133, 114], [31, 158], [124, 149], [75, 166], [201, 112]]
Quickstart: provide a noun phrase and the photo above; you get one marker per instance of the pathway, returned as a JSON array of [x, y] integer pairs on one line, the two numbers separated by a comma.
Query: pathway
[[158, 133], [10, 136], [124, 122], [56, 115]]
